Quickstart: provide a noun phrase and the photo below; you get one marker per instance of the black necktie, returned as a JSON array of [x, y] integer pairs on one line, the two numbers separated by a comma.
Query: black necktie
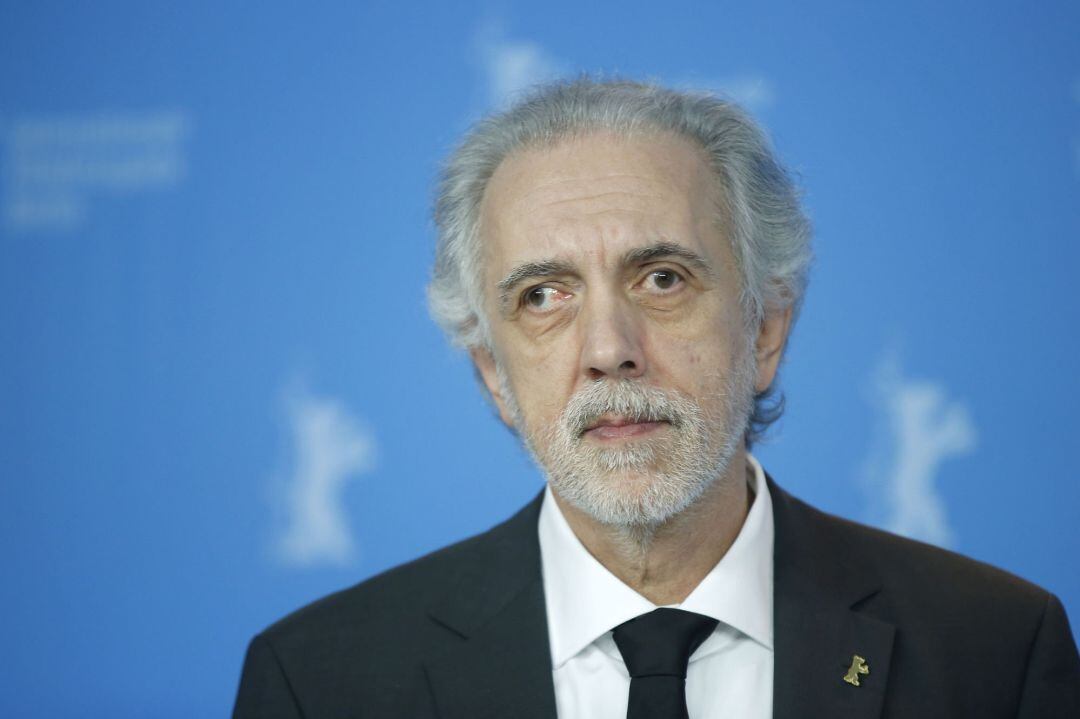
[[656, 648]]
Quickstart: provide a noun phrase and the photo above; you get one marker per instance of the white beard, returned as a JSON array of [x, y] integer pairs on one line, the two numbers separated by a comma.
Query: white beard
[[646, 482]]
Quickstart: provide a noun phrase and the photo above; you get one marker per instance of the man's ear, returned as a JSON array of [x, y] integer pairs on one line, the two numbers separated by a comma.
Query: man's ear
[[769, 348], [484, 363]]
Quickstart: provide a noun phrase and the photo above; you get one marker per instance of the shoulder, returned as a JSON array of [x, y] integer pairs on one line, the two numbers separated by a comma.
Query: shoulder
[[366, 645], [917, 565], [941, 602], [381, 600], [392, 608], [967, 635], [909, 567]]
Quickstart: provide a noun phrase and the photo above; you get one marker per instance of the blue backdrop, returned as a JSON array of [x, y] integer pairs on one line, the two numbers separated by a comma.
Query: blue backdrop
[[220, 394]]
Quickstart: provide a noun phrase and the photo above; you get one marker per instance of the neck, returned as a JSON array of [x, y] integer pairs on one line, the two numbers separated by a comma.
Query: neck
[[664, 563]]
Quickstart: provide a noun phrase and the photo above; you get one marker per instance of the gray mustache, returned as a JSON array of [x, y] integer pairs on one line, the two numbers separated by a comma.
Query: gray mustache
[[638, 402]]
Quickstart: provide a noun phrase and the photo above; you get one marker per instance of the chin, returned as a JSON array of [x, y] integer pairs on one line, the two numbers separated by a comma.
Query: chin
[[630, 497]]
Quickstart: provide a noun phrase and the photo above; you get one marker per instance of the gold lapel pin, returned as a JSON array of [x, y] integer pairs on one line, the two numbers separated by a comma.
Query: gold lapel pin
[[858, 666]]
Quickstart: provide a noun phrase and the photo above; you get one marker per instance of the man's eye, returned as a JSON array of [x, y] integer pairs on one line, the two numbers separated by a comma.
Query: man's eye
[[664, 280], [541, 298]]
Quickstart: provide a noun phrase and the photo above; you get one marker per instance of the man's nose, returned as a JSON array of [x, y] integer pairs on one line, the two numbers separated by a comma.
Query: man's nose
[[612, 344]]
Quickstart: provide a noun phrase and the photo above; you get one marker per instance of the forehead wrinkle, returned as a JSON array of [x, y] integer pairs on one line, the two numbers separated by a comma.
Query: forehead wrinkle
[[610, 220], [538, 194], [563, 180], [600, 195], [658, 207]]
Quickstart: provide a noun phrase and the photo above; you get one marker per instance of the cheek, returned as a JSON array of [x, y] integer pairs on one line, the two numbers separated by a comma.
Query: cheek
[[550, 355], [543, 386], [691, 365]]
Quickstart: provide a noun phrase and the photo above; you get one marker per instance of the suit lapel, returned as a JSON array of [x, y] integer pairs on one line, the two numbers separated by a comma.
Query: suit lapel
[[818, 630], [503, 665]]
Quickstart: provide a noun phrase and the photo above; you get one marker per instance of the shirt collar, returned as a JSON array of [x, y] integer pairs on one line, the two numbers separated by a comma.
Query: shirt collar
[[584, 600]]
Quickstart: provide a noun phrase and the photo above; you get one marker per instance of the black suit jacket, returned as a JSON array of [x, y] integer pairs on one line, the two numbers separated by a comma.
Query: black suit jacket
[[462, 634]]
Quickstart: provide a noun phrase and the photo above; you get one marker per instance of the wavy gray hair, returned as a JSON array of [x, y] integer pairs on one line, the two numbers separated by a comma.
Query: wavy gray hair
[[770, 235]]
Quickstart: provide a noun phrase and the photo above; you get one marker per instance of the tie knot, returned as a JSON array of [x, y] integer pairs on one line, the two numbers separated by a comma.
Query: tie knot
[[660, 643]]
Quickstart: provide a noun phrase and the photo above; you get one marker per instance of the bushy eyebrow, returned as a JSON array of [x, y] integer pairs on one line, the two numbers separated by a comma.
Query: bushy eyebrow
[[528, 271], [669, 249], [641, 255]]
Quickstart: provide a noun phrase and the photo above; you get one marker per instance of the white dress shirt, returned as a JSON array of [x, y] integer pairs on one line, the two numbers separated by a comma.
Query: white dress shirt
[[730, 674]]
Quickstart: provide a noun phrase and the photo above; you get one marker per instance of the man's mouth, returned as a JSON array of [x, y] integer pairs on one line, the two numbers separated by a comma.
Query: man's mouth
[[614, 427]]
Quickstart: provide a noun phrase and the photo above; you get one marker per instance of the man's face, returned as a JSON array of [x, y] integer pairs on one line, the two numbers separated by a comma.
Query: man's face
[[619, 349]]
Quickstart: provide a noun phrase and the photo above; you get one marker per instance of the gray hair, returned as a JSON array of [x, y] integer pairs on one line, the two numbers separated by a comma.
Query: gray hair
[[760, 210]]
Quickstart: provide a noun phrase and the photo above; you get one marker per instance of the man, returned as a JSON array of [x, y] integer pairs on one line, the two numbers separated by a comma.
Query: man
[[624, 264]]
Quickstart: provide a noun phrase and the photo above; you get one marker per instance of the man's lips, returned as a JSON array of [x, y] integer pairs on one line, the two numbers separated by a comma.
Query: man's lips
[[609, 428]]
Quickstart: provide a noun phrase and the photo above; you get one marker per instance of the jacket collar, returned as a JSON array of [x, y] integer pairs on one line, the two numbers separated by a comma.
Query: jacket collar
[[496, 604], [503, 668]]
